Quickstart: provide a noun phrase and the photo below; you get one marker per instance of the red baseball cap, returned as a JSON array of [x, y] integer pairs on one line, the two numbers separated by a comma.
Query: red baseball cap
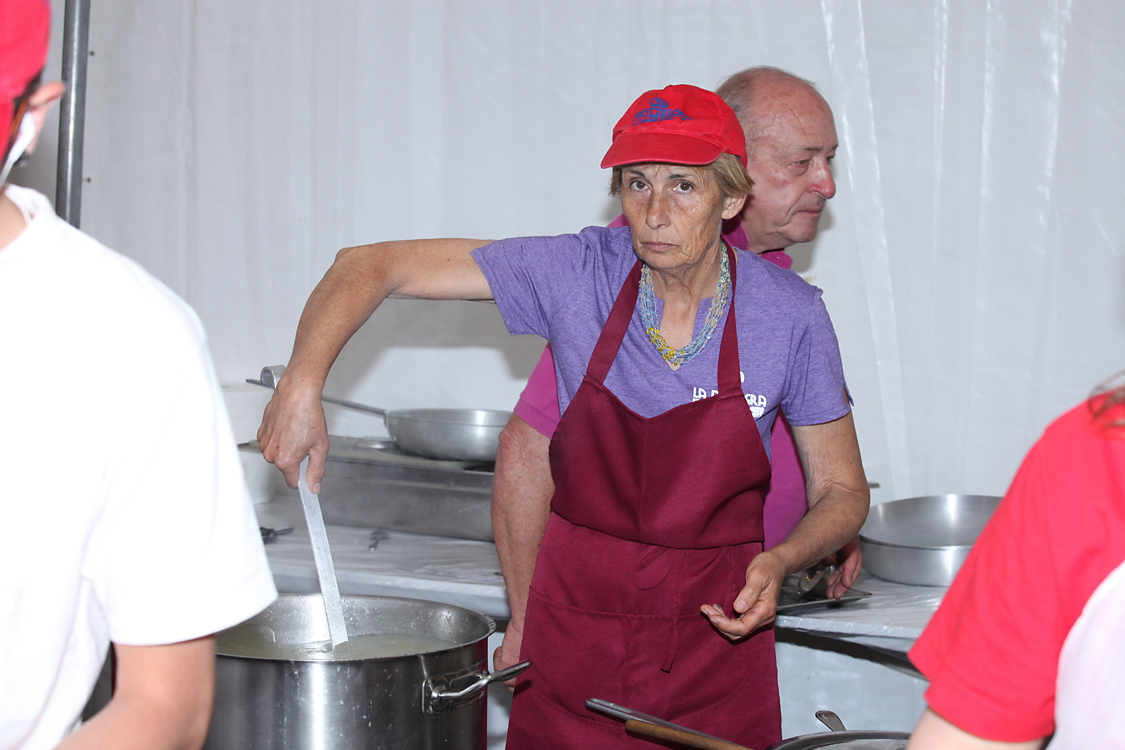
[[25, 30], [679, 124]]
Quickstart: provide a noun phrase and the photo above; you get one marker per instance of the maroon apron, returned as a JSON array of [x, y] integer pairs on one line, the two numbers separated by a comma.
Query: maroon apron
[[651, 518]]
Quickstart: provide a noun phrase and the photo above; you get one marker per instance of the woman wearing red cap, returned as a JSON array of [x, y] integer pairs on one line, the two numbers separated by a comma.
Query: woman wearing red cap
[[651, 589]]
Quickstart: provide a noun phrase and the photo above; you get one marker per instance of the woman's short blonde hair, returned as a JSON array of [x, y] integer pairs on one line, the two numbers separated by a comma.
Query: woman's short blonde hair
[[728, 170]]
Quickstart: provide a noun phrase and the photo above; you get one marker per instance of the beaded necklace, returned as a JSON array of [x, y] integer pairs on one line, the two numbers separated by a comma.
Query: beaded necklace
[[674, 357]]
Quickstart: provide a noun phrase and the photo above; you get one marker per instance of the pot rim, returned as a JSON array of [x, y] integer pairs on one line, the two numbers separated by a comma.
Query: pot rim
[[487, 622]]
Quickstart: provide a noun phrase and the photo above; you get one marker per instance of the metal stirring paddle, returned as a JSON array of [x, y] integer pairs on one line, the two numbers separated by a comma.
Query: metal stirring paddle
[[325, 570]]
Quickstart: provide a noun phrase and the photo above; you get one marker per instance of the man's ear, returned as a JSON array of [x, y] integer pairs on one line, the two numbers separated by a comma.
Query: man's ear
[[40, 103]]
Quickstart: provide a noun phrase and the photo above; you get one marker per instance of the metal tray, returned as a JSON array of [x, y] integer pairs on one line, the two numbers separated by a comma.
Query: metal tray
[[923, 540], [790, 600]]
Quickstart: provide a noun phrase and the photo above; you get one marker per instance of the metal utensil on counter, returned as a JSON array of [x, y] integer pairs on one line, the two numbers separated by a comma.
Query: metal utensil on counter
[[643, 723], [322, 555], [377, 536], [814, 581], [448, 434], [923, 540], [808, 589], [271, 535], [831, 720]]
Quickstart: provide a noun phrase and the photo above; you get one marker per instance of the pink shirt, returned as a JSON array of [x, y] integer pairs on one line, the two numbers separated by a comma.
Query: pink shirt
[[785, 504]]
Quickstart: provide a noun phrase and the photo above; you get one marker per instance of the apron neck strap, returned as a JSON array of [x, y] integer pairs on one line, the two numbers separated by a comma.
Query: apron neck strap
[[614, 331], [609, 342], [730, 374]]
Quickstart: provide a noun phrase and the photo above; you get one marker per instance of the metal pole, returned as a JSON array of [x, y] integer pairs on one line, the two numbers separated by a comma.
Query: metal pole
[[68, 200], [72, 116]]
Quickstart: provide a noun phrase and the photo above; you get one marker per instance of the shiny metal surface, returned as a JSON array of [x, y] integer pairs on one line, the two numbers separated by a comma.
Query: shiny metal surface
[[72, 110], [923, 540], [831, 720], [322, 558], [450, 434], [374, 704], [370, 483], [446, 434], [849, 740], [447, 694]]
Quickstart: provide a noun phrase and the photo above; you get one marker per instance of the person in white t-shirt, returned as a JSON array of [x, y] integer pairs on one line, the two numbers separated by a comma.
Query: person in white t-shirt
[[125, 515]]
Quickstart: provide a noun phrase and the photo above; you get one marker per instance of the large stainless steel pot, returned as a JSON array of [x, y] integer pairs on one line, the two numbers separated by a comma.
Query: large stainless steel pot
[[923, 540], [446, 434], [270, 694]]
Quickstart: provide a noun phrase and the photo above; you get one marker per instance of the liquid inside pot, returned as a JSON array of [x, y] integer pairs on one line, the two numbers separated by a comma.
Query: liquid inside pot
[[258, 643]]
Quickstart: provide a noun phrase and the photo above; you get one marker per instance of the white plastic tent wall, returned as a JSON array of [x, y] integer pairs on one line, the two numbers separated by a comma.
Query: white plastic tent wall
[[972, 259]]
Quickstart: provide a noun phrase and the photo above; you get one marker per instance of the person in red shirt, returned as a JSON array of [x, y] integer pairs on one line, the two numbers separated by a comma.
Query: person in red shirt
[[1028, 643]]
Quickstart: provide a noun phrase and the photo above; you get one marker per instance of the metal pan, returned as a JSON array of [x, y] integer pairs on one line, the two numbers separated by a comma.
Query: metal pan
[[838, 739], [841, 738], [447, 434], [642, 723], [923, 540], [849, 739]]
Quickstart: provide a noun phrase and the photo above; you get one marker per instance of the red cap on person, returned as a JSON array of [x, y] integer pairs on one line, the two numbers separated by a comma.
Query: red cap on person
[[679, 124], [25, 30]]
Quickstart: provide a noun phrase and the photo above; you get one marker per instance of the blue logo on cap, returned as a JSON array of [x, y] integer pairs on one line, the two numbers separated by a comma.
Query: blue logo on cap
[[657, 111]]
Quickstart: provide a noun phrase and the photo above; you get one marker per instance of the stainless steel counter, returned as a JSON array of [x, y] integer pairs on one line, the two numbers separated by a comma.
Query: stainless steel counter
[[455, 571], [892, 618]]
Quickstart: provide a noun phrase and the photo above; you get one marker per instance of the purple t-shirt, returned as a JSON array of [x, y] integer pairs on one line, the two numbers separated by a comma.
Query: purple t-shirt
[[562, 288]]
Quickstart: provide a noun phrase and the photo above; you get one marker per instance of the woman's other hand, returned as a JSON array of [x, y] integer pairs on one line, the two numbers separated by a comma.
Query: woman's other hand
[[293, 427], [756, 605]]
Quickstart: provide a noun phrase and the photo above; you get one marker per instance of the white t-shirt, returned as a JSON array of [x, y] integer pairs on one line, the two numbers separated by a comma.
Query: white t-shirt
[[1091, 680], [124, 512]]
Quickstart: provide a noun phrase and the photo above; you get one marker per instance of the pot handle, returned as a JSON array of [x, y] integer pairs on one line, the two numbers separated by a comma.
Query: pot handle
[[831, 720], [448, 692]]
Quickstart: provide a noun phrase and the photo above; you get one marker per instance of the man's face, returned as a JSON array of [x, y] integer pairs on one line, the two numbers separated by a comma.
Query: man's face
[[790, 163]]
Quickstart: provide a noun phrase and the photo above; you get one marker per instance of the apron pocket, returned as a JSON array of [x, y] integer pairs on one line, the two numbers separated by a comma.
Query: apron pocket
[[575, 654]]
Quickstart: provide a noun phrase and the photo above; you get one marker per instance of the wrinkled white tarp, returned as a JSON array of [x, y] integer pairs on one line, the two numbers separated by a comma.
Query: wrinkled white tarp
[[972, 259]]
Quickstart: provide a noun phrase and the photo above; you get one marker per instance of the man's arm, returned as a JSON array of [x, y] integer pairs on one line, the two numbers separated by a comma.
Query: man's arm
[[162, 700], [936, 733], [849, 562], [359, 280], [838, 504], [521, 503]]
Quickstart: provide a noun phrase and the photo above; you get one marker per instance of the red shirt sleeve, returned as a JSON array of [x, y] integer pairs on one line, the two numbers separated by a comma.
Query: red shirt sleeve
[[991, 651]]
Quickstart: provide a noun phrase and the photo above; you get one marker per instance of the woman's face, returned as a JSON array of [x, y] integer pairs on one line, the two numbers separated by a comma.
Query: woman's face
[[675, 213]]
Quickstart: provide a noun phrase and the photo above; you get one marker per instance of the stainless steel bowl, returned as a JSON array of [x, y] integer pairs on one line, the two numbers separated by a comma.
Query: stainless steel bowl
[[923, 540]]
